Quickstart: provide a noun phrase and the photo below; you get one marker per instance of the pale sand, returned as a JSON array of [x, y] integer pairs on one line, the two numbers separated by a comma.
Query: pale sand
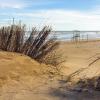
[[22, 78], [81, 55]]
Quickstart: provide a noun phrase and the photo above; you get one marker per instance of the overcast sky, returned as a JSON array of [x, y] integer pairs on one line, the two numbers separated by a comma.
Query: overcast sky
[[60, 14]]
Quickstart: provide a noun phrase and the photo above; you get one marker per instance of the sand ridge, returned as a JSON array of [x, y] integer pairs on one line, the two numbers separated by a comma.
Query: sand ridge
[[22, 78]]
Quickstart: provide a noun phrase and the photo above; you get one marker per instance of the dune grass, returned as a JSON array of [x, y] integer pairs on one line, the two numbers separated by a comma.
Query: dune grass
[[37, 45]]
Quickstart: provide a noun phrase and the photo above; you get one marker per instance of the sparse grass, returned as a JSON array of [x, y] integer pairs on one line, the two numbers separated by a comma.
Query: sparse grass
[[53, 58], [88, 84], [36, 46]]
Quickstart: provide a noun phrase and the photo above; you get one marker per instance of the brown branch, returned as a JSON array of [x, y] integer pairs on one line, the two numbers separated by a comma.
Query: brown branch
[[94, 61]]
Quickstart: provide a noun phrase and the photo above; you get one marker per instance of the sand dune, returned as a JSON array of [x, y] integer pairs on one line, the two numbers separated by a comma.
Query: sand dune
[[22, 78]]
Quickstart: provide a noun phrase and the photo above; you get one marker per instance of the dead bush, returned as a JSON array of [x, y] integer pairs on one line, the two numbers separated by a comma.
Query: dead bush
[[36, 46]]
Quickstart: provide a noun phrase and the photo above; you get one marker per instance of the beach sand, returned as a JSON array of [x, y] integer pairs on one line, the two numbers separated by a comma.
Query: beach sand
[[81, 55], [22, 78]]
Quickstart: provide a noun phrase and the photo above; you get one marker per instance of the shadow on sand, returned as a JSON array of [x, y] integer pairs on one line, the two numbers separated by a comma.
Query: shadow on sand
[[62, 93]]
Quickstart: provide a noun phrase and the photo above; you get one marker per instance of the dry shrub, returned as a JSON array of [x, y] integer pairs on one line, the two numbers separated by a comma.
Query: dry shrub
[[11, 38], [92, 83], [86, 83], [36, 46], [54, 58]]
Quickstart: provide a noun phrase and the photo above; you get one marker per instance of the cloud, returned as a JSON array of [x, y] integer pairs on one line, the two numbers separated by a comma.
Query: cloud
[[63, 19], [24, 3], [60, 19], [12, 4]]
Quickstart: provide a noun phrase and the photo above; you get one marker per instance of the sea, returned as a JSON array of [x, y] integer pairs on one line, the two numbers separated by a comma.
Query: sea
[[69, 35], [82, 35]]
